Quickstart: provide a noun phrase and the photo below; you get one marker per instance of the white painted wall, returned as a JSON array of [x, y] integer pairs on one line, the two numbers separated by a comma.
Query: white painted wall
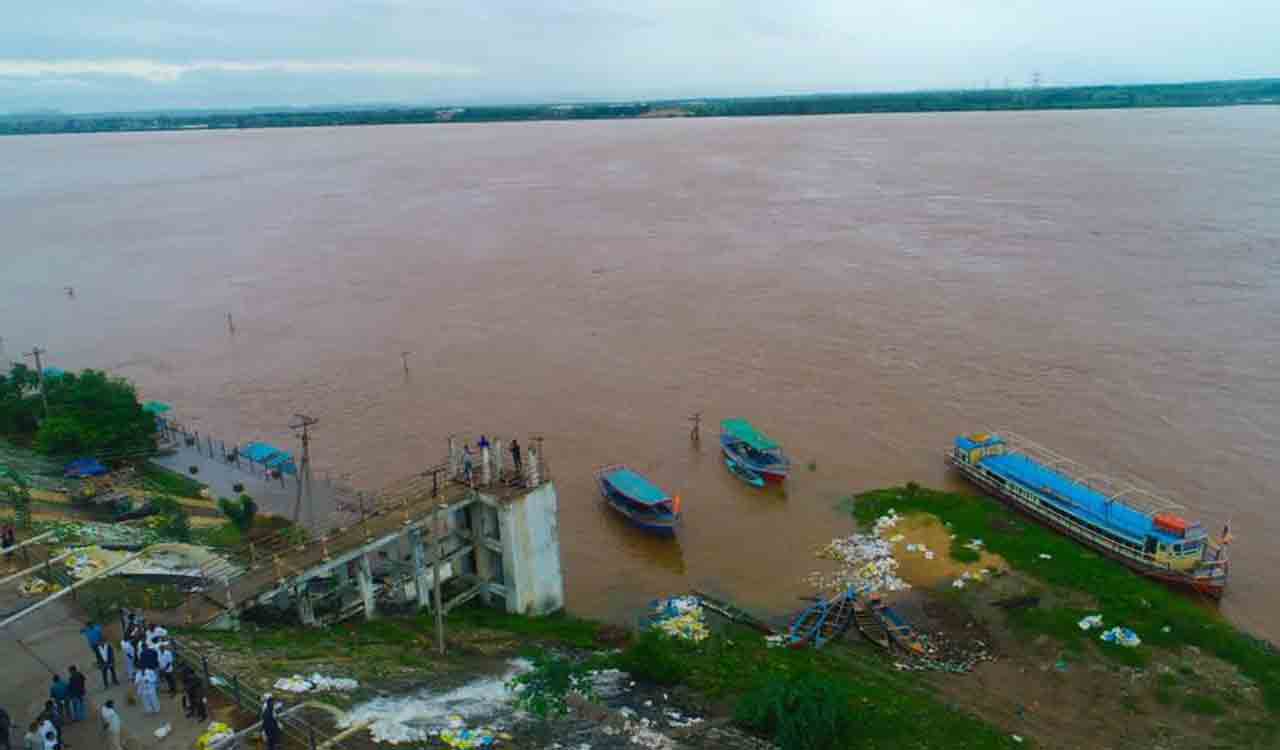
[[531, 552]]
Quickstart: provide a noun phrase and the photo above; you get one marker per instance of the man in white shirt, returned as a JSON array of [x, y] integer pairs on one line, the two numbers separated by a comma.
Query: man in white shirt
[[126, 648], [150, 698], [111, 725], [166, 668], [156, 634]]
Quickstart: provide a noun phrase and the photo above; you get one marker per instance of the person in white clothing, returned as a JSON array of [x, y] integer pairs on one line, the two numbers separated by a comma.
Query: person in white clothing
[[126, 648], [111, 725], [50, 740], [156, 634], [166, 668], [150, 698]]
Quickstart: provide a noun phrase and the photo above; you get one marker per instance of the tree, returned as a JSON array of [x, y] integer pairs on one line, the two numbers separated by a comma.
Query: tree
[[17, 493], [240, 512], [88, 413]]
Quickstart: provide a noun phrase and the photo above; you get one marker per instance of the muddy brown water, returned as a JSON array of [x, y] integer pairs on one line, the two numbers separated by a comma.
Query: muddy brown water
[[863, 288]]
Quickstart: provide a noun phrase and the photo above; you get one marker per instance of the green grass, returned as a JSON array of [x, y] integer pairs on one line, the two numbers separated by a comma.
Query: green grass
[[1204, 705], [558, 628], [1122, 597], [225, 536], [160, 479], [889, 709], [103, 598]]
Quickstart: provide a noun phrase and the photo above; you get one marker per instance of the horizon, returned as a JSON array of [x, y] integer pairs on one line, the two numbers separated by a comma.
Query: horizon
[[142, 56], [408, 105]]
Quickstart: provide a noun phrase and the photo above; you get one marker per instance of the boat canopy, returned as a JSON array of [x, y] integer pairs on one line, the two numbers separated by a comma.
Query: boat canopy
[[156, 407], [269, 456], [636, 487], [741, 429]]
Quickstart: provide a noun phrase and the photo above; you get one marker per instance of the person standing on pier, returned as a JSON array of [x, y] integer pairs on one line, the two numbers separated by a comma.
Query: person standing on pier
[[270, 722], [130, 655], [166, 668], [515, 454]]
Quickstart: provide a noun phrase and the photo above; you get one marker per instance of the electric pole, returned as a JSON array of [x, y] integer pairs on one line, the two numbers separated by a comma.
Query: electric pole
[[404, 360], [303, 422], [36, 352]]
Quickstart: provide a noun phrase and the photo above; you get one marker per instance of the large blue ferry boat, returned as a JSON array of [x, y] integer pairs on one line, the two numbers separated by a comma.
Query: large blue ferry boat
[[1127, 523]]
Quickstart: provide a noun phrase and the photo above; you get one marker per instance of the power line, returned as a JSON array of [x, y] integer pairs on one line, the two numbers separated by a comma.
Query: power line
[[304, 423]]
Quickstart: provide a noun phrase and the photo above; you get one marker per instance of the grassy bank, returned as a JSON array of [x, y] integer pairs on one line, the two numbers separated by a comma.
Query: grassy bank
[[160, 479], [1163, 618]]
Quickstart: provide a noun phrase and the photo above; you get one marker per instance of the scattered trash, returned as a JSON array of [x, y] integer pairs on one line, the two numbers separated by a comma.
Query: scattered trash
[[462, 738], [680, 617], [866, 561], [315, 683], [1092, 621], [1061, 665], [1017, 738], [1166, 629], [1123, 636], [776, 641], [967, 577], [975, 544], [1044, 556], [37, 587], [216, 733], [164, 731], [958, 583]]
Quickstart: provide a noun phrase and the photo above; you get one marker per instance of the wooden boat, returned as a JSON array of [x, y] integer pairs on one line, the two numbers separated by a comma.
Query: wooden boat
[[870, 625], [752, 452], [823, 622], [742, 472], [895, 629], [640, 501], [1123, 522]]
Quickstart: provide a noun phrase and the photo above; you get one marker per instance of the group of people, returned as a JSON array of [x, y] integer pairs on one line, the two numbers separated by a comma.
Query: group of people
[[468, 463]]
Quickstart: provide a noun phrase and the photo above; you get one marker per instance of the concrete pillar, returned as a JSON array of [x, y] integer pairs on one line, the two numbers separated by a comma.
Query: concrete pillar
[[421, 572], [486, 472], [482, 554], [531, 466], [497, 460], [455, 458], [306, 612], [364, 579]]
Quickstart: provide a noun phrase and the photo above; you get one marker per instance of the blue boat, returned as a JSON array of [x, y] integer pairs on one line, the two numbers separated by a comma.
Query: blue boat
[[751, 454], [1123, 522], [640, 501], [823, 622]]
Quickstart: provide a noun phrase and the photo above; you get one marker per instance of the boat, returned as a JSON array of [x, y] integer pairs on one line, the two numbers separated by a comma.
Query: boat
[[824, 621], [750, 452], [894, 628], [640, 501], [743, 473], [1129, 524]]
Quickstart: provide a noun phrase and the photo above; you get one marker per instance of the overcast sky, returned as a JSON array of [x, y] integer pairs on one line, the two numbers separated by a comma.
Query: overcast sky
[[115, 55]]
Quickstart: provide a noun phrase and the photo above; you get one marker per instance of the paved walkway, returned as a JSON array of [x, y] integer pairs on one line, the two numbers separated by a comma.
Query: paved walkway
[[48, 640], [271, 495]]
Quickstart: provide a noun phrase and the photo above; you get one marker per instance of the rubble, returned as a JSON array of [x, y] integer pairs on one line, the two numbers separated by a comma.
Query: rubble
[[315, 683]]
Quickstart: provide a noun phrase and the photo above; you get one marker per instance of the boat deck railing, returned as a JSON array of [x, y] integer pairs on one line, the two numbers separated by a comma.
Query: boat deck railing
[[1129, 493], [1207, 568]]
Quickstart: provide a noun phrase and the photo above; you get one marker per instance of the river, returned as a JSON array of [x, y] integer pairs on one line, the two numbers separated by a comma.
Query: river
[[863, 288]]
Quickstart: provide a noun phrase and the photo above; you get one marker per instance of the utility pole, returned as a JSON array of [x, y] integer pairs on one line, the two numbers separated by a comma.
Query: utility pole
[[695, 432], [304, 423], [437, 553], [231, 326], [404, 360], [36, 352]]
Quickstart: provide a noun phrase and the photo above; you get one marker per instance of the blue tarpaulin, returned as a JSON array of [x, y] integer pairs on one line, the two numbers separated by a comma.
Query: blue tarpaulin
[[269, 456], [84, 467]]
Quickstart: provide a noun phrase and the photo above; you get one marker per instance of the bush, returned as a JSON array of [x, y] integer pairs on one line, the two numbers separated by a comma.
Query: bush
[[655, 657], [240, 512], [89, 412], [171, 522], [802, 710], [543, 690]]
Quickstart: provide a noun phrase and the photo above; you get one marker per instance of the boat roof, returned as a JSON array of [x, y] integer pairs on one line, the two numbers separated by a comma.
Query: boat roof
[[1085, 502], [635, 486], [741, 429]]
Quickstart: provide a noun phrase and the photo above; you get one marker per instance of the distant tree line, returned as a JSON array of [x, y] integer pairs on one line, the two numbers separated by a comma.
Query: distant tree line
[[1202, 94]]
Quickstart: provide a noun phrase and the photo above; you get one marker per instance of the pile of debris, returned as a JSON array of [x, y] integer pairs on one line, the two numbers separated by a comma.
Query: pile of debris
[[866, 561], [680, 617], [315, 683], [941, 654]]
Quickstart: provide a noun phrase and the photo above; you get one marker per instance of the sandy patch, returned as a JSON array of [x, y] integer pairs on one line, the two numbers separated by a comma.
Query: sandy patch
[[922, 545]]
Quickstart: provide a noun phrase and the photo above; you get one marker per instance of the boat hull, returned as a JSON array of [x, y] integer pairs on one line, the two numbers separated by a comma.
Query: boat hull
[[1213, 587], [658, 525], [770, 474]]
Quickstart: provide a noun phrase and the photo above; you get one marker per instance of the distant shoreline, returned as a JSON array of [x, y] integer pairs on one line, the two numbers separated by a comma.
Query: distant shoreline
[[1139, 96]]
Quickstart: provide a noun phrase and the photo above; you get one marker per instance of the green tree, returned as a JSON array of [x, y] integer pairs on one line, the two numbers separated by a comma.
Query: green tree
[[16, 492], [91, 412], [240, 512]]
